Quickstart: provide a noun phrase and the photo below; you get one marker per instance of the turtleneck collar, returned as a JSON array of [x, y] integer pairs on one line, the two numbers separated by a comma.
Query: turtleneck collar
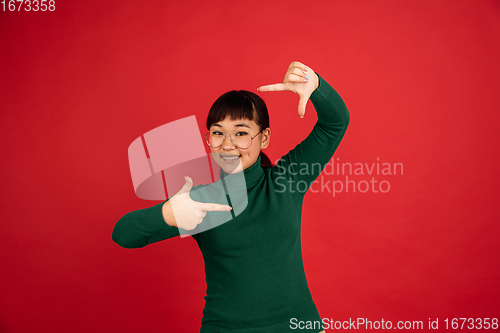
[[250, 175]]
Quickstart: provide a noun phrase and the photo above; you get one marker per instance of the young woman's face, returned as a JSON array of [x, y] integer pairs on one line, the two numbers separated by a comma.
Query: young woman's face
[[247, 157]]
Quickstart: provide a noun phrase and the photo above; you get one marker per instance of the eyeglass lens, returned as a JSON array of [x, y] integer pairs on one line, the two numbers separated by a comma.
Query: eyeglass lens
[[242, 140]]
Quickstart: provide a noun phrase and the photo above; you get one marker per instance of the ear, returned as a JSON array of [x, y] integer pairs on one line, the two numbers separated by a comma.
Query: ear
[[266, 138]]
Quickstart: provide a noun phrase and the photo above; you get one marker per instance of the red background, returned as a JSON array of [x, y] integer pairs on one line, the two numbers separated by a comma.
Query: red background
[[79, 84]]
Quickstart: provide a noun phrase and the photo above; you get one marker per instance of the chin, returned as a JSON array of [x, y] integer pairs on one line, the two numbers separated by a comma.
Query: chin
[[229, 167]]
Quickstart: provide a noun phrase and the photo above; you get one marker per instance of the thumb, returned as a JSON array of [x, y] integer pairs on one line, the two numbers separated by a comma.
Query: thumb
[[187, 186], [302, 106]]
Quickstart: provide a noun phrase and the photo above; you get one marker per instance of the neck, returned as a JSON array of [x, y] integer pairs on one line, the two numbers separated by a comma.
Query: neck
[[248, 177]]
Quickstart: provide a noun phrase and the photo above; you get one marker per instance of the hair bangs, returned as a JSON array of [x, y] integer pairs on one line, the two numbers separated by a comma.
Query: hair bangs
[[233, 104]]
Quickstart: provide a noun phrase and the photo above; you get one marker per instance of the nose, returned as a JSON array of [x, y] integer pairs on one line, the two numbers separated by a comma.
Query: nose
[[227, 144]]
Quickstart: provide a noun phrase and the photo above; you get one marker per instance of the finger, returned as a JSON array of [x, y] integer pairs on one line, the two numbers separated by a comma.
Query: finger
[[296, 78], [187, 186], [302, 106], [297, 71], [212, 207], [272, 87], [298, 64]]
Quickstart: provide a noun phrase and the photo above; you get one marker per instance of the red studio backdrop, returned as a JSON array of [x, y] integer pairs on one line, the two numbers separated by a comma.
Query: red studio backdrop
[[410, 234]]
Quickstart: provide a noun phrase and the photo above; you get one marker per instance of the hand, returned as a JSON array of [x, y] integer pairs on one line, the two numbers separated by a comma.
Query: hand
[[296, 80], [183, 212]]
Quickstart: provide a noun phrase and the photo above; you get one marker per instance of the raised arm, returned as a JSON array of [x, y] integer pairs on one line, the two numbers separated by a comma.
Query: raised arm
[[305, 162]]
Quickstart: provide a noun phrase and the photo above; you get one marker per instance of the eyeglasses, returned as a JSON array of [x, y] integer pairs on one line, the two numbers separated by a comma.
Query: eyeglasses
[[241, 139]]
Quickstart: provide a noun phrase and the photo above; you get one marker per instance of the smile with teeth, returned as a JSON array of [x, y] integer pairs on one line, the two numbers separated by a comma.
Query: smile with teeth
[[230, 158]]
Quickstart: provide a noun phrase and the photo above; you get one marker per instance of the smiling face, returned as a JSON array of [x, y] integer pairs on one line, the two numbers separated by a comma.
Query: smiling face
[[243, 114], [228, 156]]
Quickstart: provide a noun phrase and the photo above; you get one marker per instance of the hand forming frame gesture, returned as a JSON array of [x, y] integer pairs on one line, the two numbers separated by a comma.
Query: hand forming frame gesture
[[300, 79]]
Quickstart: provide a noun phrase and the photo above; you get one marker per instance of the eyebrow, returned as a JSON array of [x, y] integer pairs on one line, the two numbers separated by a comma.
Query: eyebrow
[[237, 125]]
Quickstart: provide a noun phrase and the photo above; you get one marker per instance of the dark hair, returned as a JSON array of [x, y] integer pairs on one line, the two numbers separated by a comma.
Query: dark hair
[[241, 104]]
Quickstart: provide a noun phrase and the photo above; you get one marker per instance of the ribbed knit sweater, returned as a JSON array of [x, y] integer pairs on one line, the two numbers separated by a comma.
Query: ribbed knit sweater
[[253, 262]]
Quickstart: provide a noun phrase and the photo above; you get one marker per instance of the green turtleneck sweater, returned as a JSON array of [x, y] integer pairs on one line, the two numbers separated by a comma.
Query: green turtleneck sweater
[[253, 262]]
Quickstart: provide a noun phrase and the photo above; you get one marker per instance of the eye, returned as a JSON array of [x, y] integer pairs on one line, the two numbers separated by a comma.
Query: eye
[[216, 133], [241, 133]]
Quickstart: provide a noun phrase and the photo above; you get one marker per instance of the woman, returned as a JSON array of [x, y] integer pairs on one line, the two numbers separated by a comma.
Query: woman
[[253, 263]]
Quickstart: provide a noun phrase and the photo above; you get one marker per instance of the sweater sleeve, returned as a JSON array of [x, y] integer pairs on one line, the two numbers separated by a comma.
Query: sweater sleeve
[[143, 227], [307, 160]]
